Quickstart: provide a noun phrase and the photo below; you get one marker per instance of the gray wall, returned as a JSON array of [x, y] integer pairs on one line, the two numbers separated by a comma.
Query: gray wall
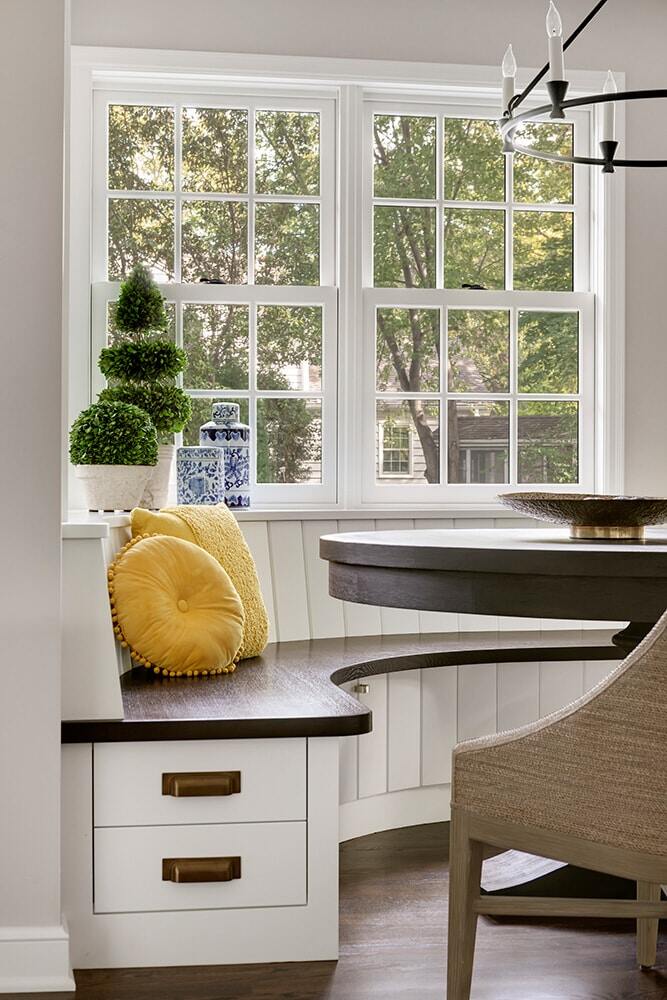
[[625, 36], [32, 42]]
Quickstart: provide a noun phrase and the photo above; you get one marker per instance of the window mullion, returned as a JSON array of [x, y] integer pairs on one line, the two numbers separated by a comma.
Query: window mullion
[[439, 214], [513, 443], [178, 184], [509, 222], [252, 383], [251, 192]]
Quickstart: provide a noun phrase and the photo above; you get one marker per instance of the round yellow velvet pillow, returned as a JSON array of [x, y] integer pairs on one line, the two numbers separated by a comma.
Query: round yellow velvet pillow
[[175, 607]]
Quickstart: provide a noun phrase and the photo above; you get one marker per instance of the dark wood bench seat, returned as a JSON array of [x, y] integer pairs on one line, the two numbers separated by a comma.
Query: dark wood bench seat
[[293, 688]]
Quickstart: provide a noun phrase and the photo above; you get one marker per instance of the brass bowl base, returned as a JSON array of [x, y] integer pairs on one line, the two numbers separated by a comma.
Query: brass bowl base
[[633, 531]]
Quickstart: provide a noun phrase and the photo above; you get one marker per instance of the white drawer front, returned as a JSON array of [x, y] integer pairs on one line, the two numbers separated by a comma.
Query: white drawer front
[[129, 785], [128, 866]]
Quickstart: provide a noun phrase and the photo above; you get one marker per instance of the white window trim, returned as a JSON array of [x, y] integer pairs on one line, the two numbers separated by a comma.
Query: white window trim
[[376, 490], [251, 295], [381, 450], [349, 81]]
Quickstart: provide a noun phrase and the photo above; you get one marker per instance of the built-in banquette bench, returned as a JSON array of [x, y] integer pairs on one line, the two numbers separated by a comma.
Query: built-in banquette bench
[[202, 819]]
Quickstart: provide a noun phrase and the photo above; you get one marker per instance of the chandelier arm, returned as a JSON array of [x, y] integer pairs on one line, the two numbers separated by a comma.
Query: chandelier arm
[[509, 125], [594, 161], [518, 98], [558, 158]]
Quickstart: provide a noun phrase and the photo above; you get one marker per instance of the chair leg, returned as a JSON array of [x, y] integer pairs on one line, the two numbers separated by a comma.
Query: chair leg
[[647, 929], [465, 871]]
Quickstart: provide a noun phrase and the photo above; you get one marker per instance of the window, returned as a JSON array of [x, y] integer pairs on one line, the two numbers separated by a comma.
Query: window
[[463, 361], [478, 321], [395, 449], [230, 202]]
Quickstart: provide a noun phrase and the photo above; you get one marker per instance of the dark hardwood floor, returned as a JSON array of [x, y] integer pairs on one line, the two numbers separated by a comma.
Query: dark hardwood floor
[[393, 924]]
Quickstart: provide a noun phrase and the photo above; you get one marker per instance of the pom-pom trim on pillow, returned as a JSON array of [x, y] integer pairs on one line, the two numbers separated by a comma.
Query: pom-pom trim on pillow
[[122, 639]]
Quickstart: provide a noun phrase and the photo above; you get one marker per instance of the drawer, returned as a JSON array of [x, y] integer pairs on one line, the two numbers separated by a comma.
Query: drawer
[[131, 788], [269, 857]]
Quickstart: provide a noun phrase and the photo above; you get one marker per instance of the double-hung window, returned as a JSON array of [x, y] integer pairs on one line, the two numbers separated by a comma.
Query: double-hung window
[[478, 320], [229, 200], [467, 363]]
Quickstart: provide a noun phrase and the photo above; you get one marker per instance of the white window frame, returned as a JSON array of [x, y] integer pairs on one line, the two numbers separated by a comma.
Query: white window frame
[[382, 448], [250, 294], [376, 489], [350, 84]]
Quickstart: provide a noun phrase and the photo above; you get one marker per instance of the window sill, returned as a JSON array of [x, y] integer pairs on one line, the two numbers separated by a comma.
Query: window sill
[[85, 524]]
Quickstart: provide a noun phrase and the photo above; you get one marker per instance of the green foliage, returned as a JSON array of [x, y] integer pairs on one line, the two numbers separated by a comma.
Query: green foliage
[[404, 154], [287, 244], [474, 161], [288, 439], [287, 155], [479, 350], [287, 160], [140, 306], [215, 245], [141, 370], [538, 180], [215, 241], [141, 147], [473, 242], [141, 232], [404, 247], [215, 144], [168, 406], [113, 433], [543, 257], [548, 352], [216, 339], [548, 441], [142, 360], [408, 349]]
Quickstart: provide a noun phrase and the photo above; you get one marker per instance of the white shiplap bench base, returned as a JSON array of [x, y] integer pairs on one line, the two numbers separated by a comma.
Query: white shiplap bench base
[[397, 775]]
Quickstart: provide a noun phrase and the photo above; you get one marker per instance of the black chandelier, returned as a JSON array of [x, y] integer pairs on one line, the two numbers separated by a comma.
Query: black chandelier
[[557, 87]]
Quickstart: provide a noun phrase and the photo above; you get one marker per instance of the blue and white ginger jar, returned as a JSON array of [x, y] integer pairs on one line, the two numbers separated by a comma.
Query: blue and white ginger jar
[[200, 475], [225, 431]]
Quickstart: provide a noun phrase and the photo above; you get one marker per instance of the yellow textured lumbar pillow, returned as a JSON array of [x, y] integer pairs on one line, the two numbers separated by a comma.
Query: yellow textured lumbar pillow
[[175, 608], [216, 530]]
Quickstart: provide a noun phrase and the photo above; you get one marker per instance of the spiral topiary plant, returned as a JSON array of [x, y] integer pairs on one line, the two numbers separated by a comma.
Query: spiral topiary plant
[[110, 433], [141, 369]]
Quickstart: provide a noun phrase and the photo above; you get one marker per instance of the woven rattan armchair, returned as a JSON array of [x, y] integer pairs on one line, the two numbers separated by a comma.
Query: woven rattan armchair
[[587, 786]]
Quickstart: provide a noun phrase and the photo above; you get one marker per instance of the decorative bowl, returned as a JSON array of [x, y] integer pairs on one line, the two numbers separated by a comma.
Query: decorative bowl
[[591, 516]]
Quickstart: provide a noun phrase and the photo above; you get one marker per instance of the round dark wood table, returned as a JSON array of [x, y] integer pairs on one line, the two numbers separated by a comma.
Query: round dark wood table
[[527, 573]]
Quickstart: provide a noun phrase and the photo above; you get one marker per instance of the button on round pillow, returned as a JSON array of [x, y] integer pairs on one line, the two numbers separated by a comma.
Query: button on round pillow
[[175, 607]]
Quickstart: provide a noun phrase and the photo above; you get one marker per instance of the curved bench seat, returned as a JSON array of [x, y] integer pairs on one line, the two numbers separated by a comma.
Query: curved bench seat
[[293, 689]]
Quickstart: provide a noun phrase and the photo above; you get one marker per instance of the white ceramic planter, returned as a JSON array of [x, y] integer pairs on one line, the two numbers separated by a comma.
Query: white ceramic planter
[[156, 494], [113, 487]]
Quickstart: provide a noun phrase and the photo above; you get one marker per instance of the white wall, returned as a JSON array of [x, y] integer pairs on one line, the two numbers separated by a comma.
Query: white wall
[[33, 948], [626, 36]]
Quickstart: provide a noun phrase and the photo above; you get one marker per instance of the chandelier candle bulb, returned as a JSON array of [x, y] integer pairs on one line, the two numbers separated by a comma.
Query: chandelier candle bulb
[[555, 36], [609, 110], [509, 74]]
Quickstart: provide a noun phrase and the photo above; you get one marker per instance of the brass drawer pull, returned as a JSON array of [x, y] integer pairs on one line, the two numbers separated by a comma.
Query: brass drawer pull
[[361, 688], [200, 869], [197, 783]]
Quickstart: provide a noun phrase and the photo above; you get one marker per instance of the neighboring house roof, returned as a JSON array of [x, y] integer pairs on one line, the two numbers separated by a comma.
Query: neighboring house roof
[[532, 427]]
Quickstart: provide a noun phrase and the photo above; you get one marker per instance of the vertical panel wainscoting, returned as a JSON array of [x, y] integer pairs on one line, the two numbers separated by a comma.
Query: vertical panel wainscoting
[[399, 774]]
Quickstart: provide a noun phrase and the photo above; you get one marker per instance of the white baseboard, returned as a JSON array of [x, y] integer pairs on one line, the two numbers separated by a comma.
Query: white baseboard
[[35, 960], [410, 807]]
